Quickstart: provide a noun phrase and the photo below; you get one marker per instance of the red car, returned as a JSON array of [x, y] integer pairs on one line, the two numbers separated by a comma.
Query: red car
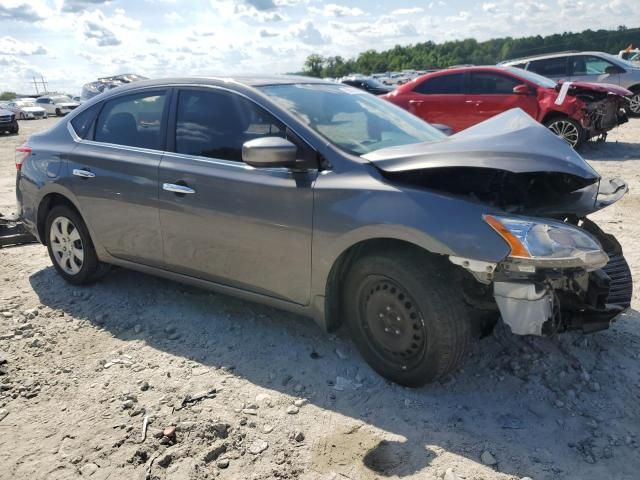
[[461, 97]]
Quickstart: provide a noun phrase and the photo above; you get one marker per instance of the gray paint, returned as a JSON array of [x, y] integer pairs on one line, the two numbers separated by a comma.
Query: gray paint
[[270, 235]]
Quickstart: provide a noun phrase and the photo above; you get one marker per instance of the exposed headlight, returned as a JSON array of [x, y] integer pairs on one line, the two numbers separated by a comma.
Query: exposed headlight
[[548, 243]]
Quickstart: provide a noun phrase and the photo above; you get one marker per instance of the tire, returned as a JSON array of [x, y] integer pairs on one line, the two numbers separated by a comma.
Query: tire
[[634, 104], [70, 247], [58, 112], [407, 317], [16, 129], [567, 129], [23, 116]]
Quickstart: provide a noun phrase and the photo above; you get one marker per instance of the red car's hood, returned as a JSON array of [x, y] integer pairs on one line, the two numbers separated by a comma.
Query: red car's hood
[[599, 87]]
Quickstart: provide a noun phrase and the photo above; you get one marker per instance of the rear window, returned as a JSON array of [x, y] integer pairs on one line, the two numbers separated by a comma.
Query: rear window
[[83, 122], [549, 67], [441, 85], [132, 120]]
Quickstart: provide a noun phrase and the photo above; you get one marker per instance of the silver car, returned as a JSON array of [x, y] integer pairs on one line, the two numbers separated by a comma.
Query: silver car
[[327, 201], [595, 67]]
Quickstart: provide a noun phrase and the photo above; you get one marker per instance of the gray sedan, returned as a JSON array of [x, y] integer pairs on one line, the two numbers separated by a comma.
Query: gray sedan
[[323, 200]]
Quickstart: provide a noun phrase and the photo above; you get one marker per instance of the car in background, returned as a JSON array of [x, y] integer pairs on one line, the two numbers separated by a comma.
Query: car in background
[[630, 55], [91, 89], [462, 97], [56, 104], [367, 84], [595, 67], [8, 122], [327, 201], [26, 109]]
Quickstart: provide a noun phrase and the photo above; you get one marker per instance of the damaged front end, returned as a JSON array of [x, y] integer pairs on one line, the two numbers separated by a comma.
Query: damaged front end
[[598, 107], [563, 272]]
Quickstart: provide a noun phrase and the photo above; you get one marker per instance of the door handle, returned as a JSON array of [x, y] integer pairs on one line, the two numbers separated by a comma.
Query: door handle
[[180, 189], [416, 102], [79, 172]]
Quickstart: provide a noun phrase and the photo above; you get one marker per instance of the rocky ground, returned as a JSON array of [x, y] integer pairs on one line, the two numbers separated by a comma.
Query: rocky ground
[[141, 378]]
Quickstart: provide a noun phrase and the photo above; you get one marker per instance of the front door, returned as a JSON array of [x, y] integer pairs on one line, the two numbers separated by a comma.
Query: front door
[[227, 222], [115, 176], [590, 68], [491, 93]]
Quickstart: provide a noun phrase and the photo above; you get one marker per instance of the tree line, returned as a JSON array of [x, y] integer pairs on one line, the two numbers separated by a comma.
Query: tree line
[[430, 55]]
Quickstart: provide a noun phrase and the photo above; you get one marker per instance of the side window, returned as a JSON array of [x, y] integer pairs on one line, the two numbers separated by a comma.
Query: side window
[[441, 85], [549, 67], [132, 120], [83, 122], [590, 65], [488, 83], [215, 124], [41, 100]]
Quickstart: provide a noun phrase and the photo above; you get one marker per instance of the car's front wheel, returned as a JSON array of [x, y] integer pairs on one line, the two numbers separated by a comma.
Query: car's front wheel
[[406, 316], [70, 247], [567, 129], [58, 112]]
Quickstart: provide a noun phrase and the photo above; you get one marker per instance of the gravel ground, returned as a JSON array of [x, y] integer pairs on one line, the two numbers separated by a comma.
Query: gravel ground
[[236, 390]]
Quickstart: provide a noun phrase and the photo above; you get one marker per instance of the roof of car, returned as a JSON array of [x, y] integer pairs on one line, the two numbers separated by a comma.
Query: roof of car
[[248, 80], [549, 55]]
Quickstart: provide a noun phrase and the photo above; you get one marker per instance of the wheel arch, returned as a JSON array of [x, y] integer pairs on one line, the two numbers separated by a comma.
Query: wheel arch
[[48, 202], [335, 280], [552, 114]]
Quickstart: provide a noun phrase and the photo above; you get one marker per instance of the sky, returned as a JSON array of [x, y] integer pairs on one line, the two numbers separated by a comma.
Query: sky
[[72, 42]]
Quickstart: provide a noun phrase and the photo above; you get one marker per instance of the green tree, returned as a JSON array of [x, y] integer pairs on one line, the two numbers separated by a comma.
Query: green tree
[[313, 65], [7, 96]]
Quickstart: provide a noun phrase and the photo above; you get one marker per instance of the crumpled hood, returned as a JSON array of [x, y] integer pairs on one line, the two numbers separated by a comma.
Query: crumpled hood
[[599, 87], [511, 141]]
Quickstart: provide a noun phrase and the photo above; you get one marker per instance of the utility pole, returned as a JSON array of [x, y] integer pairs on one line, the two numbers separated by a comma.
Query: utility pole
[[44, 84], [35, 83]]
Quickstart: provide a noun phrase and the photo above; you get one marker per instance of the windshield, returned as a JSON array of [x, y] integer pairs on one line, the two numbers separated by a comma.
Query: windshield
[[533, 77], [352, 119], [61, 99], [26, 104], [372, 82], [619, 61]]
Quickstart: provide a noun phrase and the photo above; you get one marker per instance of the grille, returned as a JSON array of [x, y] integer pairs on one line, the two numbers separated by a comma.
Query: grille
[[38, 114], [621, 286], [5, 118]]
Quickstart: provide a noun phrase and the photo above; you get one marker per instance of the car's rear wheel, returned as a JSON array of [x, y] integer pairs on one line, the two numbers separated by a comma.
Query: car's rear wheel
[[70, 247], [406, 316], [58, 112], [634, 104], [567, 129]]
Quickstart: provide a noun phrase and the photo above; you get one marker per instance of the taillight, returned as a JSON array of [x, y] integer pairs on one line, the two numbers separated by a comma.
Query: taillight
[[22, 152]]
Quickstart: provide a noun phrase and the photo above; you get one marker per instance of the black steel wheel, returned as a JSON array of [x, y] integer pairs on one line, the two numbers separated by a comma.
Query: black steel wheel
[[406, 315], [392, 321]]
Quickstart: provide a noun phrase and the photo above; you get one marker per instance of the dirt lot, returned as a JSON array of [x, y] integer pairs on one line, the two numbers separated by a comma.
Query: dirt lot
[[255, 393]]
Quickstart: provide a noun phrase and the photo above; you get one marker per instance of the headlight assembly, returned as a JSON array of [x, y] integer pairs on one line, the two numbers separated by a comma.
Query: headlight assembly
[[548, 243]]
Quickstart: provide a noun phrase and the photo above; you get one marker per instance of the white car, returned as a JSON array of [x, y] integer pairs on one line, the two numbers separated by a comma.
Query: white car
[[57, 104], [26, 109]]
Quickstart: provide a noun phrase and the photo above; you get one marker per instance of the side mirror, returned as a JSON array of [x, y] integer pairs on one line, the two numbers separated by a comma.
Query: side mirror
[[522, 89], [269, 152], [446, 129]]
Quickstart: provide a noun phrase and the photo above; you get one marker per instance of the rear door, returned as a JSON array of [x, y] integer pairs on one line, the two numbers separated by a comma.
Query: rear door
[[556, 68], [224, 221], [591, 68], [491, 93], [114, 173], [441, 99]]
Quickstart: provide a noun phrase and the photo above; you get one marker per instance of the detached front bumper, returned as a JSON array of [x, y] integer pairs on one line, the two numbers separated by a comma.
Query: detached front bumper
[[547, 302]]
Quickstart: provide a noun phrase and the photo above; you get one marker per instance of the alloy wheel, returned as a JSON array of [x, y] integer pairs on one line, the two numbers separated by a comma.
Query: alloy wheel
[[634, 104], [392, 322], [66, 245], [566, 131]]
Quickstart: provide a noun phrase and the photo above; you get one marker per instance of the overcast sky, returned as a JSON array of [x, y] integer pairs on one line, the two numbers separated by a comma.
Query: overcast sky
[[71, 42]]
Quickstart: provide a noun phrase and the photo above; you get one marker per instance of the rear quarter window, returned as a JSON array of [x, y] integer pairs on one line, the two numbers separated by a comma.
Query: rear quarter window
[[83, 122]]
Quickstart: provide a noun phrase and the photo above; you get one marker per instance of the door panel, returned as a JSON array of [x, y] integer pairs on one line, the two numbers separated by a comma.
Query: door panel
[[120, 200], [441, 99], [242, 227], [491, 93], [237, 225], [114, 174]]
